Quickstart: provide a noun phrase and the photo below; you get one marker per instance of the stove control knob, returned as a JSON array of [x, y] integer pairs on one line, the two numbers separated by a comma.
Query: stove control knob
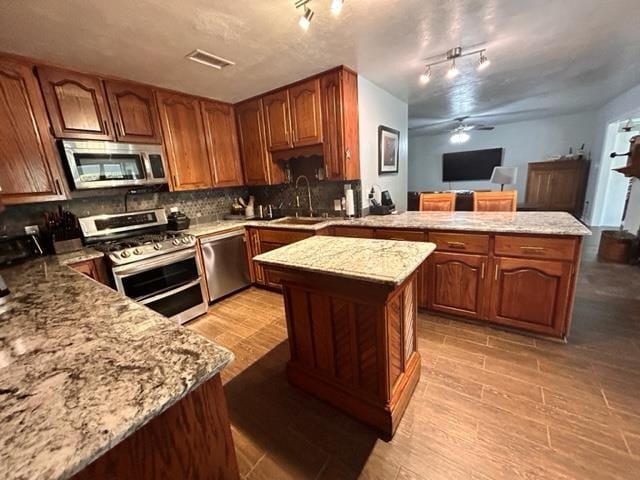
[[185, 240], [137, 251], [125, 254], [157, 246], [176, 241]]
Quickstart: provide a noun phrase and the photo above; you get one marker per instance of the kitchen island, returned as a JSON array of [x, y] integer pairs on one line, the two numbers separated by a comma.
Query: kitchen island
[[94, 385], [351, 307]]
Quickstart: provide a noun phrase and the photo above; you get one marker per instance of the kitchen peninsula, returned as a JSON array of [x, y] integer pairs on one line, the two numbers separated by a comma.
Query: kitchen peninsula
[[351, 307], [94, 385]]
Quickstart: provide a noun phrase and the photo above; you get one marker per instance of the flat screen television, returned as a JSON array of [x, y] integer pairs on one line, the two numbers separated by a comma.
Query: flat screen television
[[470, 165]]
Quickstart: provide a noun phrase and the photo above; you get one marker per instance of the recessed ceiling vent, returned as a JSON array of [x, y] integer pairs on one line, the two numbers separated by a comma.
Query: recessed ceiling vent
[[209, 59]]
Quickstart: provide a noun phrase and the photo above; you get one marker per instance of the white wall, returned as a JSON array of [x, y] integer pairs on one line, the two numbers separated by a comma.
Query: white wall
[[524, 142], [378, 107], [622, 107]]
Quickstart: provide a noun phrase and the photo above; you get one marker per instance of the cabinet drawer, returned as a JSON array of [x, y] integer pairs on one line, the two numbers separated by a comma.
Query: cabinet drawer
[[353, 232], [535, 247], [408, 235], [460, 242], [282, 236]]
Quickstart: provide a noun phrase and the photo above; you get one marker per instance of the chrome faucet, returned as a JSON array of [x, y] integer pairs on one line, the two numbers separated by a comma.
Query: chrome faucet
[[308, 194]]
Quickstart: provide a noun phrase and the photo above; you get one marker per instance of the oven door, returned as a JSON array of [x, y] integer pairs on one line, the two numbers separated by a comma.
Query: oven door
[[169, 284]]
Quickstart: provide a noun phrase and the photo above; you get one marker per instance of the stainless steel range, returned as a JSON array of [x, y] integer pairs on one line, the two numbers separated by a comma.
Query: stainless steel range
[[157, 268]]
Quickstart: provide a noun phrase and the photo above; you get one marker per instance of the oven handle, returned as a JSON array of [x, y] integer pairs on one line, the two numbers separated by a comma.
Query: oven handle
[[128, 270], [171, 292]]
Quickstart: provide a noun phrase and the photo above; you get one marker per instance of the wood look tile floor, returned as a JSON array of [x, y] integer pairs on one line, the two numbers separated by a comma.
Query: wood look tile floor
[[491, 404]]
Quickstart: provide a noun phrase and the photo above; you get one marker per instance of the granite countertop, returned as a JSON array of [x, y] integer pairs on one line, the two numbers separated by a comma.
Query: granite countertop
[[82, 367], [541, 223], [537, 223], [379, 261], [82, 255]]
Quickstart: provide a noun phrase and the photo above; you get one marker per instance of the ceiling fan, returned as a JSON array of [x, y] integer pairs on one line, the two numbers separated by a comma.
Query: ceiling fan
[[459, 133]]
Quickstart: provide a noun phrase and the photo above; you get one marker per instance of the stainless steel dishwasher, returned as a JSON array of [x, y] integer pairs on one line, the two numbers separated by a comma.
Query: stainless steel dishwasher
[[225, 262]]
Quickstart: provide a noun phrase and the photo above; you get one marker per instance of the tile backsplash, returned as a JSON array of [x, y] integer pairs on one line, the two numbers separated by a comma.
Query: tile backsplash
[[200, 205]]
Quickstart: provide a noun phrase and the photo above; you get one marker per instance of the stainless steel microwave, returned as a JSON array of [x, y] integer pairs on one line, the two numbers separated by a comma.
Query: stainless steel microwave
[[96, 164]]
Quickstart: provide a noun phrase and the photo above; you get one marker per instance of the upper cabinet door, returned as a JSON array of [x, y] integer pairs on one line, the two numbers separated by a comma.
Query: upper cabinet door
[[222, 143], [278, 122], [306, 117], [332, 125], [76, 104], [185, 142], [134, 112], [252, 142], [28, 166]]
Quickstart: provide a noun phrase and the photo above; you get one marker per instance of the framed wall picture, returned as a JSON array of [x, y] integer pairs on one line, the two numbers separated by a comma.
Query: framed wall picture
[[388, 150]]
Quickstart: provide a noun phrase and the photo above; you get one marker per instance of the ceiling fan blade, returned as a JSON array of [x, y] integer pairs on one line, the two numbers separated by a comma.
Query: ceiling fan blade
[[485, 127]]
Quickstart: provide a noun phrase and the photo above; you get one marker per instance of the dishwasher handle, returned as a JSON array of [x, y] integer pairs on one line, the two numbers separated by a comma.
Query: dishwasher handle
[[222, 236]]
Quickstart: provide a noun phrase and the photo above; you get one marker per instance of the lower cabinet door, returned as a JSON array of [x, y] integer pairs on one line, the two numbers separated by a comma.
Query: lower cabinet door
[[531, 294], [456, 283], [268, 278]]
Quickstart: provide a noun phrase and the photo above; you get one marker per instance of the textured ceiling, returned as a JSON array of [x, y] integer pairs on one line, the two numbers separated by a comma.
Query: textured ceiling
[[548, 57]]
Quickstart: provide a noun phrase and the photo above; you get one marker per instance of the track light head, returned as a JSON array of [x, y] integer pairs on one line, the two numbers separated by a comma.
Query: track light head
[[336, 7], [426, 76], [453, 70], [305, 19], [484, 61]]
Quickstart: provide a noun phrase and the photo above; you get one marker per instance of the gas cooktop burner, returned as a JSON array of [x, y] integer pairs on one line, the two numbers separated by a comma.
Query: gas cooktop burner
[[144, 246]]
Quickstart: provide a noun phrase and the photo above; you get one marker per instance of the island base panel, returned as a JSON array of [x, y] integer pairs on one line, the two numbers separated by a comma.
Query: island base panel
[[192, 439], [353, 344]]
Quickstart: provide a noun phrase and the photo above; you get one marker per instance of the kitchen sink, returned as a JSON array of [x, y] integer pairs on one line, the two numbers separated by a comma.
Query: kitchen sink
[[300, 221]]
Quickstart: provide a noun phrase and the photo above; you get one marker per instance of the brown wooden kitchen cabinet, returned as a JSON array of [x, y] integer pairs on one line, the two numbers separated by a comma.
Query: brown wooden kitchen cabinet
[[29, 170], [76, 104], [258, 168], [134, 112], [222, 143], [306, 116], [531, 294], [339, 103], [277, 120], [185, 141], [96, 269], [456, 283]]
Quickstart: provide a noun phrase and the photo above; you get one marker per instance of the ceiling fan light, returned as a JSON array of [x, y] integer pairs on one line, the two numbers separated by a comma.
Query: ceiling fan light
[[426, 76], [484, 61], [459, 137], [336, 7], [305, 19], [453, 70]]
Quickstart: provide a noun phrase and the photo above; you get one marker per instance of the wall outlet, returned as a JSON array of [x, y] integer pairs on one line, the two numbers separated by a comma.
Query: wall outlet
[[337, 205], [31, 230]]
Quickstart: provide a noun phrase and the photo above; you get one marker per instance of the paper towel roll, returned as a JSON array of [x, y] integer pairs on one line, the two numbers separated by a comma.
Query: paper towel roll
[[350, 206]]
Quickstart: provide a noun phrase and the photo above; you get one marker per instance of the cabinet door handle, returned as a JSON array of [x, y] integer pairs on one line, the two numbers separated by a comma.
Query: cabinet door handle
[[120, 129], [58, 187], [482, 271], [175, 181], [456, 245], [396, 239], [104, 123], [532, 249], [347, 153], [495, 275]]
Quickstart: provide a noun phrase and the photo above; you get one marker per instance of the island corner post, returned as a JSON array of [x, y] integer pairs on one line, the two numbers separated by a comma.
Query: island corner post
[[352, 342]]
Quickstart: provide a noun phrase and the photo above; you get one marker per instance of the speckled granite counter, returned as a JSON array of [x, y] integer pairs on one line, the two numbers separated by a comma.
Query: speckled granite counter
[[537, 223], [78, 256], [379, 261], [82, 367]]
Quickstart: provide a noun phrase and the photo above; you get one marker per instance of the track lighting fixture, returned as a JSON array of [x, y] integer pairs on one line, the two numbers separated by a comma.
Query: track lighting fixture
[[305, 18], [451, 56], [426, 76], [336, 7]]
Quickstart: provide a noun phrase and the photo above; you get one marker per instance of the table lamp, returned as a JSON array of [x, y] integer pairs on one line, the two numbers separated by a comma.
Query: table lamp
[[504, 175]]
